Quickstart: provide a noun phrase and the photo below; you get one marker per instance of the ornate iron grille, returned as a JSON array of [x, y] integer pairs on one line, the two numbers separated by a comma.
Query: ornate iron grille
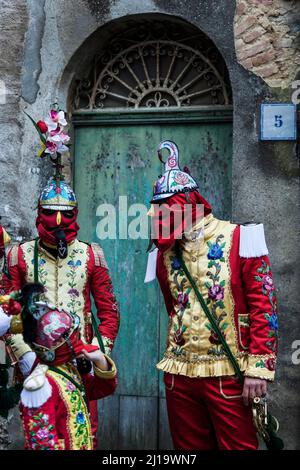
[[155, 65]]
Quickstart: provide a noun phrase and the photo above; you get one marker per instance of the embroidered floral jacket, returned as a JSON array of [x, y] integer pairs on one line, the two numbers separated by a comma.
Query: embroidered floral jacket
[[62, 422], [240, 294], [69, 285]]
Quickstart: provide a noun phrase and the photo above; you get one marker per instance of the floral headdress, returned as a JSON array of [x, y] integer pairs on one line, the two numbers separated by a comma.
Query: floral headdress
[[55, 141], [174, 180]]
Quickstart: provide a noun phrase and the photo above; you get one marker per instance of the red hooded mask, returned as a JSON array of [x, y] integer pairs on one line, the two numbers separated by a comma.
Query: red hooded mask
[[173, 222], [49, 222]]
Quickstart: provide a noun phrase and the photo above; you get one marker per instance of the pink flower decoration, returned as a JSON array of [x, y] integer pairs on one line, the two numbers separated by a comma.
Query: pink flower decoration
[[55, 119], [42, 434], [70, 387], [181, 178], [270, 364], [182, 300], [268, 282], [216, 292], [178, 338], [51, 147]]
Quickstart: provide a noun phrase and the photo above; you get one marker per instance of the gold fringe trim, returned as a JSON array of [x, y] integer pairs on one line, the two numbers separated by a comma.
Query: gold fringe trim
[[208, 368]]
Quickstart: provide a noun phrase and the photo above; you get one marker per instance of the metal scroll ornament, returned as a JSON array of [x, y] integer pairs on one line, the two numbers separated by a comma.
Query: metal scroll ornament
[[155, 67]]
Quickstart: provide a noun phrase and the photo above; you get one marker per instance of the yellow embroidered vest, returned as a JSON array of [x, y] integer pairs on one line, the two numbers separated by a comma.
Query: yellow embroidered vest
[[192, 348], [64, 280]]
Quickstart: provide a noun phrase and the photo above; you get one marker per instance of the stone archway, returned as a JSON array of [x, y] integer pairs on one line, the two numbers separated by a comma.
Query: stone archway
[[154, 65]]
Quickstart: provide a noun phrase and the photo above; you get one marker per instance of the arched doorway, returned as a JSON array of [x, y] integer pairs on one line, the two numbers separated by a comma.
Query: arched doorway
[[150, 79]]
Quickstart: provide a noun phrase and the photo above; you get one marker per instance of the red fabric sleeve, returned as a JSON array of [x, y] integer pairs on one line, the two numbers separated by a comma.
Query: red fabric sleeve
[[262, 306], [97, 388], [162, 276], [261, 299], [17, 269], [105, 301]]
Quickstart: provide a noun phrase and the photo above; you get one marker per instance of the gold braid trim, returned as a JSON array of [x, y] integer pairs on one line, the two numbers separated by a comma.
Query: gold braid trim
[[77, 421], [13, 255], [106, 374], [99, 255]]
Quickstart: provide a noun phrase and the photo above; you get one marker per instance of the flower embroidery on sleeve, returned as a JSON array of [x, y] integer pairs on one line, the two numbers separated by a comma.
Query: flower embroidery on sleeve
[[263, 276], [41, 432]]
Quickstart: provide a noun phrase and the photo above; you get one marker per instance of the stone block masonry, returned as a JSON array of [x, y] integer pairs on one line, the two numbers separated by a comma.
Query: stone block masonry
[[267, 41]]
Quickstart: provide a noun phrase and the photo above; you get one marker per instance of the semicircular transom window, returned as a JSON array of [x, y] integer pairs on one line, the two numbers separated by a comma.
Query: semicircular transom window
[[155, 66]]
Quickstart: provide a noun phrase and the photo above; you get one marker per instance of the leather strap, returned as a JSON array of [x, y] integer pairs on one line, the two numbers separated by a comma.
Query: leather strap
[[36, 260]]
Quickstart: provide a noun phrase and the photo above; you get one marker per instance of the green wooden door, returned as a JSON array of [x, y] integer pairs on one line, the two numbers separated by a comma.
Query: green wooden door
[[115, 155]]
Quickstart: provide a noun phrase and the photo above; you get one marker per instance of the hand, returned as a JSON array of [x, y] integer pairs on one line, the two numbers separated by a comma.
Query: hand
[[253, 388], [97, 357]]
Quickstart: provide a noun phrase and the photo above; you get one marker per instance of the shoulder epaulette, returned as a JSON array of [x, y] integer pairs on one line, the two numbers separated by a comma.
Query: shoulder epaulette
[[99, 255], [13, 255], [85, 243], [252, 241]]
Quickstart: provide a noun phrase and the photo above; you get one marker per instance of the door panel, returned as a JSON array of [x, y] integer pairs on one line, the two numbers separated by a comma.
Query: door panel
[[120, 160]]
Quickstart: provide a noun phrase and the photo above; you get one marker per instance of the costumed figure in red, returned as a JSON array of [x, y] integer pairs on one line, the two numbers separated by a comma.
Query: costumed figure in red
[[4, 242], [9, 396], [55, 397], [71, 271], [208, 407]]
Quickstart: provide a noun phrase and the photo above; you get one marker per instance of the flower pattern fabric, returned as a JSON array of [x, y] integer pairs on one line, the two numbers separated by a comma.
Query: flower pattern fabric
[[216, 293], [263, 276], [182, 303], [41, 434]]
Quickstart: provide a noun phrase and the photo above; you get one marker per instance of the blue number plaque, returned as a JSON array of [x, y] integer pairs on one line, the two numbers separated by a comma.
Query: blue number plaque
[[278, 121]]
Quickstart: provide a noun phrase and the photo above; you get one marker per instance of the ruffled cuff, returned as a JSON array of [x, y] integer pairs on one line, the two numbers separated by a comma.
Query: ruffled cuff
[[261, 367], [106, 374], [17, 344]]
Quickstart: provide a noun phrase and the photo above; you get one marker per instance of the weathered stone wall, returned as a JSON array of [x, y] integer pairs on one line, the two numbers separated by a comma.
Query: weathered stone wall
[[43, 43], [13, 26], [267, 39]]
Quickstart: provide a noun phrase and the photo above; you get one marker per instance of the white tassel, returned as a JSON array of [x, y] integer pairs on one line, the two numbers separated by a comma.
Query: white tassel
[[4, 322], [36, 398], [252, 241]]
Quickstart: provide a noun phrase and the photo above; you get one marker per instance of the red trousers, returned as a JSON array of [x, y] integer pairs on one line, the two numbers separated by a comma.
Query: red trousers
[[93, 408], [208, 414]]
